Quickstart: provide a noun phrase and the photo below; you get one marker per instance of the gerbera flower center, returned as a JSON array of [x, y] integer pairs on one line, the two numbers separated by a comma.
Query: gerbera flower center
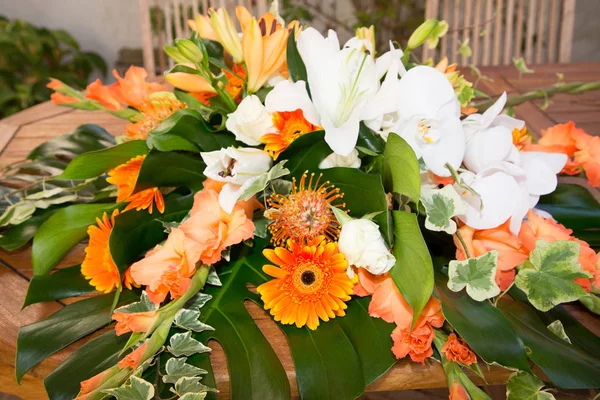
[[308, 279], [305, 213]]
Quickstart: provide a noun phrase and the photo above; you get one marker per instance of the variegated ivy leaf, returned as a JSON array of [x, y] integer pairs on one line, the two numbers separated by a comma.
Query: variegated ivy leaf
[[213, 278], [441, 205], [559, 330], [177, 368], [259, 184], [137, 389], [183, 344], [193, 396], [187, 385], [190, 320], [198, 301], [144, 305], [547, 277], [476, 274], [591, 302], [525, 386]]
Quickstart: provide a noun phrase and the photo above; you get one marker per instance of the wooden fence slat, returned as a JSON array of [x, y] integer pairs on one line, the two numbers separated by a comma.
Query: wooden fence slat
[[147, 44], [508, 35], [531, 20], [467, 26], [476, 38], [519, 36], [539, 49], [553, 31], [498, 32], [445, 17], [566, 31], [456, 24], [487, 38]]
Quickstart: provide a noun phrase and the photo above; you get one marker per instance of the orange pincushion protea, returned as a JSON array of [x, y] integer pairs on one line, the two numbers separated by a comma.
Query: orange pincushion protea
[[290, 126], [98, 265], [125, 177], [310, 283], [154, 111], [305, 213]]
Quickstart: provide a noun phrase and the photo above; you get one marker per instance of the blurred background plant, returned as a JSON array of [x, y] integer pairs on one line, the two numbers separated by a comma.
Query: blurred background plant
[[30, 55]]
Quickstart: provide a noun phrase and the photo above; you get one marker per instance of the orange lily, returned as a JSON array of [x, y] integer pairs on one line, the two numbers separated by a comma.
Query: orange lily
[[203, 27]]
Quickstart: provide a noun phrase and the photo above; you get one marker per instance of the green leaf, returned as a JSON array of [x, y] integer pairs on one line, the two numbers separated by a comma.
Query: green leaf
[[520, 65], [144, 305], [198, 301], [183, 344], [370, 141], [94, 163], [260, 183], [18, 235], [177, 368], [45, 337], [190, 385], [547, 277], [61, 232], [138, 389], [566, 365], [591, 302], [401, 172], [64, 283], [441, 205], [193, 396], [572, 205], [190, 320], [413, 271], [477, 322], [90, 359], [85, 138], [183, 170], [306, 153], [525, 386], [295, 64], [558, 329], [187, 130], [134, 232], [476, 274]]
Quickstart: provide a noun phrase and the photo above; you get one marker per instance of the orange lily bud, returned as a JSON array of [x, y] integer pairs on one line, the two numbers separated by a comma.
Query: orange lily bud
[[203, 27], [227, 33], [189, 82]]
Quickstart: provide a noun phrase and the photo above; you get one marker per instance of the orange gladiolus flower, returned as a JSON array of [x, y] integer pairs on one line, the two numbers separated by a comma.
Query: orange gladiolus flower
[[310, 283], [133, 89], [588, 157], [247, 205], [546, 229], [455, 349], [511, 252], [59, 98], [98, 266], [134, 322], [154, 111], [134, 359], [263, 46], [458, 392], [211, 230], [105, 95], [89, 385], [290, 125], [166, 269], [125, 177]]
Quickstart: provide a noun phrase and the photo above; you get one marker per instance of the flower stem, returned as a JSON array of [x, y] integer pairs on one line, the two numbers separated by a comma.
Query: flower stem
[[463, 244], [502, 294]]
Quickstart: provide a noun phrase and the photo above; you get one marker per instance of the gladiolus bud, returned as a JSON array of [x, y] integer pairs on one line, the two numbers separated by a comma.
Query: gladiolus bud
[[227, 33], [189, 50], [174, 54], [421, 34]]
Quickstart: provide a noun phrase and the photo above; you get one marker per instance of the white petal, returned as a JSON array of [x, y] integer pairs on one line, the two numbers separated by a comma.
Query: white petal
[[334, 160], [229, 195], [491, 113], [450, 148], [541, 169], [342, 139], [520, 212], [288, 96], [487, 147], [407, 130], [423, 91]]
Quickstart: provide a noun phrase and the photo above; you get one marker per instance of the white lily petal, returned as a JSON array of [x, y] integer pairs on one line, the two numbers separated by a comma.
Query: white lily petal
[[229, 195], [288, 96], [341, 139]]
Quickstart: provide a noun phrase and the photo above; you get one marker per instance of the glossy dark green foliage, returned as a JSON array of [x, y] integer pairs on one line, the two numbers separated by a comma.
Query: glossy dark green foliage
[[85, 138], [61, 232], [90, 359], [566, 365], [187, 130], [370, 140], [296, 66], [94, 163], [65, 282], [305, 153], [19, 235], [482, 326], [336, 361], [413, 272], [43, 338], [135, 232], [401, 169], [573, 206], [171, 169]]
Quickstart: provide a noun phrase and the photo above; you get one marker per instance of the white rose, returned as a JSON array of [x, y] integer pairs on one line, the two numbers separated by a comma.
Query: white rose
[[364, 247], [335, 160], [238, 167], [250, 121]]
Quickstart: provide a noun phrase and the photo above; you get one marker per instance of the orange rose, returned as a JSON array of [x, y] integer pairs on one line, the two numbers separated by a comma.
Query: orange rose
[[511, 252], [416, 344], [455, 349], [134, 359], [134, 322], [458, 392]]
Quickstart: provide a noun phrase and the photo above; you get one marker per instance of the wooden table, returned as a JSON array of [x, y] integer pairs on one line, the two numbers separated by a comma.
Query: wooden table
[[23, 131]]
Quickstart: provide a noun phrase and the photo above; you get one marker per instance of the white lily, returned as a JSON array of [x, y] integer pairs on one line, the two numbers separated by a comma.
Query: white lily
[[489, 137], [430, 119], [344, 86], [238, 168]]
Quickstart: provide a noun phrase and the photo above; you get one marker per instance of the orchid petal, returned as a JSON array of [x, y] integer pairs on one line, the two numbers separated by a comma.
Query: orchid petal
[[491, 113], [486, 147], [423, 91], [449, 149]]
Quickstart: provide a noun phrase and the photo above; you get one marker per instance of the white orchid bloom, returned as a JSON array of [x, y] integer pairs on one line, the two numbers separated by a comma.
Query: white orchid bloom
[[489, 137], [335, 160], [344, 86], [430, 119], [238, 168]]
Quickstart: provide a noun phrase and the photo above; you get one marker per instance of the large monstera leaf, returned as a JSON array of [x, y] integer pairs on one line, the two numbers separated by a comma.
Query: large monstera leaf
[[336, 361]]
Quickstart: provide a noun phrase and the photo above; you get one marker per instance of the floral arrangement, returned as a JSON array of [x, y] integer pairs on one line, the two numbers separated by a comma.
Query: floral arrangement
[[361, 199]]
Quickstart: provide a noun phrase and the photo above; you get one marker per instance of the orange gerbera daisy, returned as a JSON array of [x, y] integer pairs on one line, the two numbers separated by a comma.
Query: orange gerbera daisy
[[98, 265], [310, 283], [521, 138], [305, 213], [154, 111], [125, 177], [290, 126]]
